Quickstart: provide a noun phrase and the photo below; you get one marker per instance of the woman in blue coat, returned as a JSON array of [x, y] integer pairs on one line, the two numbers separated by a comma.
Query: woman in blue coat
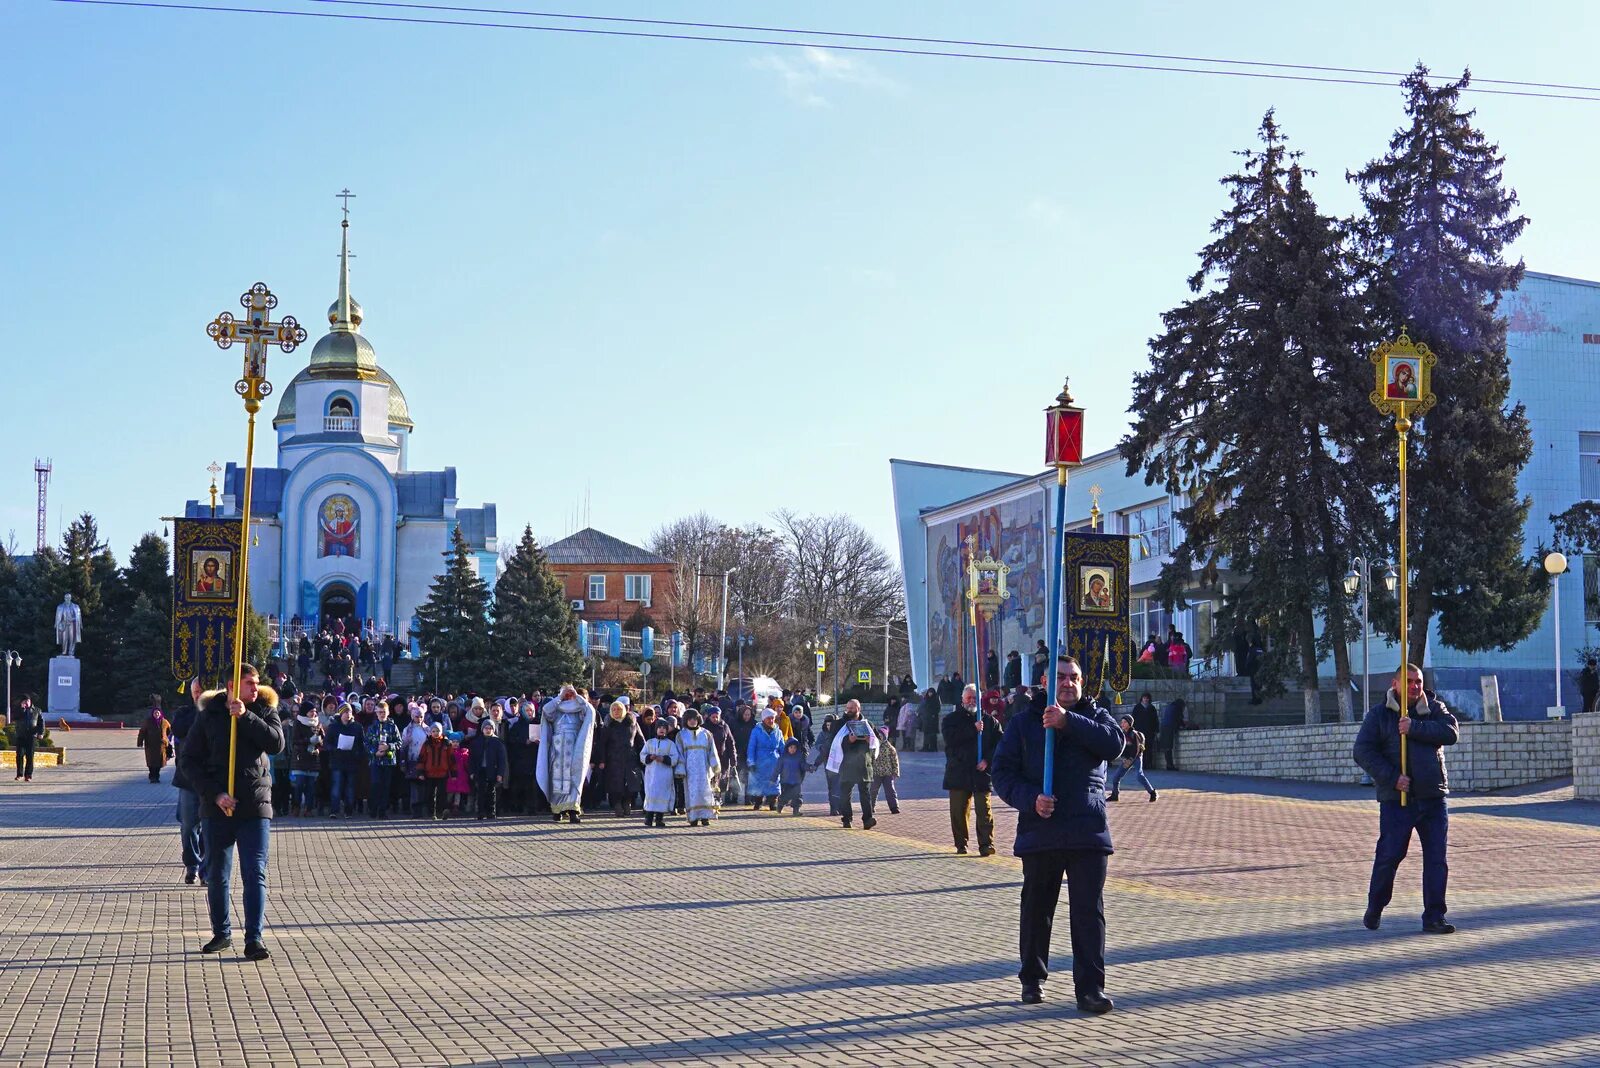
[[766, 746]]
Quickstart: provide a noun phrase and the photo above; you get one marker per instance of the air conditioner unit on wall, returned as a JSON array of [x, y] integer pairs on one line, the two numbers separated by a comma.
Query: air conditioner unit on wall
[[577, 606]]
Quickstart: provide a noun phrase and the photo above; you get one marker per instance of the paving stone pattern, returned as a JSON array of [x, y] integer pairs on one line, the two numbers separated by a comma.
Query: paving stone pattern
[[774, 940]]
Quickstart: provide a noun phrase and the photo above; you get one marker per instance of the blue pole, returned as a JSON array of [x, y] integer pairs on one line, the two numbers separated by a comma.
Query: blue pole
[[1056, 563]]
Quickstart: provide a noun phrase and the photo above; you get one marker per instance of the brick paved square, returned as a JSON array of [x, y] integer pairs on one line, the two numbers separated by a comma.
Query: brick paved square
[[1233, 910]]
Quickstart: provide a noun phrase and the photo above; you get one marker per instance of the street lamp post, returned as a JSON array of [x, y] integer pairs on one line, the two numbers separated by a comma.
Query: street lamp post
[[12, 659], [722, 647], [1555, 564], [839, 631], [742, 639], [1359, 581]]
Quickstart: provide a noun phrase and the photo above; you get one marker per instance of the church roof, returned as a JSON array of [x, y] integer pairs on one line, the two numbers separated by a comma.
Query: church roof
[[266, 493], [423, 493], [478, 525], [590, 546]]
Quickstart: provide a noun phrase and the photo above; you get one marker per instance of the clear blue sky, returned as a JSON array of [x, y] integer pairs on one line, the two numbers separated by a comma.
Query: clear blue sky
[[669, 276]]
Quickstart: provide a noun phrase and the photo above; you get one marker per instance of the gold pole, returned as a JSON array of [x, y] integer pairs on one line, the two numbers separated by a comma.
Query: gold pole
[[243, 576], [1402, 426]]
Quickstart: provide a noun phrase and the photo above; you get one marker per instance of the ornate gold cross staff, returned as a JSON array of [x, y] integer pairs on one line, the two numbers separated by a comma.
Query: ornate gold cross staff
[[257, 331], [1404, 390]]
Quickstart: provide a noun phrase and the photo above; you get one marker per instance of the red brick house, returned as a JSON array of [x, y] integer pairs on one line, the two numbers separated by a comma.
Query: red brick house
[[608, 579]]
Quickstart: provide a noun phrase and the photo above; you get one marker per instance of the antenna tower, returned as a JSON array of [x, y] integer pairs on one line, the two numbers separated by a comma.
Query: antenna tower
[[41, 473]]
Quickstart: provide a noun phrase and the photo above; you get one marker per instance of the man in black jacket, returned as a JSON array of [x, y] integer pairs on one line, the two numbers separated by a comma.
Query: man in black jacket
[[1429, 727], [27, 727], [243, 818], [969, 745], [1062, 834], [192, 842]]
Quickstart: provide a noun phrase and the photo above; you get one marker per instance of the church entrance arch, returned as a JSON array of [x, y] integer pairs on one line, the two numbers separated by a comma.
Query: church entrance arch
[[338, 601]]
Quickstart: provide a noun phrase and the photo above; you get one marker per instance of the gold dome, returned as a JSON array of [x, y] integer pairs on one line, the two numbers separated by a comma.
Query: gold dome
[[399, 412]]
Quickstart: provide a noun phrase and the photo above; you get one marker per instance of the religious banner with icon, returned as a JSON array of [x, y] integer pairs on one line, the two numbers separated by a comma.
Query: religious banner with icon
[[339, 520], [205, 598], [1096, 605]]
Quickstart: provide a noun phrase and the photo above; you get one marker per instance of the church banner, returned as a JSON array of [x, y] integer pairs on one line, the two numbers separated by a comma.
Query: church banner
[[205, 598], [1096, 593]]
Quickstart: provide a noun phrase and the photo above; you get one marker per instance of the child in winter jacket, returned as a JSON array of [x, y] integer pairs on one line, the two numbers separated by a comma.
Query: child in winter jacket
[[459, 786], [437, 761], [489, 767], [791, 775], [885, 770]]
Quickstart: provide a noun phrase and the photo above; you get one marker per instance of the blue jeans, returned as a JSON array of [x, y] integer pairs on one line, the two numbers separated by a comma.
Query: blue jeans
[[1430, 818], [303, 789], [833, 791], [378, 802], [1135, 769], [194, 846], [223, 833], [344, 791]]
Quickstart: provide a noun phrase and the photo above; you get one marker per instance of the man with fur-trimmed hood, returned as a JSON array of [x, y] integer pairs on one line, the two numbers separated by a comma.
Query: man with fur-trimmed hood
[[243, 818]]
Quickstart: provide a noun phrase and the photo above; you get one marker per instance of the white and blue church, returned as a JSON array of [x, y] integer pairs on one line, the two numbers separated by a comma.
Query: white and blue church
[[342, 528]]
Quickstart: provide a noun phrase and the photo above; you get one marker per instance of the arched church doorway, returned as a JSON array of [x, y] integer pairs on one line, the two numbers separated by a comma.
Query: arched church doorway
[[338, 602]]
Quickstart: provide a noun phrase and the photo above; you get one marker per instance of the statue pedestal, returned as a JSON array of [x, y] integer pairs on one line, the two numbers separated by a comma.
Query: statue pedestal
[[65, 685]]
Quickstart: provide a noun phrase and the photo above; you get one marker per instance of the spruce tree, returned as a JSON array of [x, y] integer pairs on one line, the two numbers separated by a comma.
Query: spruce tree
[[453, 625], [143, 657], [1438, 221], [1251, 411], [534, 642]]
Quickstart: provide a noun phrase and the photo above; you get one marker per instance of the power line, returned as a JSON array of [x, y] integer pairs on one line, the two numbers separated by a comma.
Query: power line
[[1006, 45], [781, 43]]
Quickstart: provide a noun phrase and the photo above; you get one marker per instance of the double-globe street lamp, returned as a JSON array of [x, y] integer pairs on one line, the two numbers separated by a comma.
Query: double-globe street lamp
[[1358, 581], [1555, 565], [12, 659]]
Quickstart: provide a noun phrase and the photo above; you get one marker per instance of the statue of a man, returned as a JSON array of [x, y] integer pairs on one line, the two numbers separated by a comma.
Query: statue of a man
[[69, 625]]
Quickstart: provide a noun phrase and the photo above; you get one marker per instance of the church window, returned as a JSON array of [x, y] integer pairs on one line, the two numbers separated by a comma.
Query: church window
[[636, 588], [340, 406], [597, 587]]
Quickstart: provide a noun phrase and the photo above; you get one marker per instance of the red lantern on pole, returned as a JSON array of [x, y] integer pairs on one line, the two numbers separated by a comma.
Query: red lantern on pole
[[1063, 440]]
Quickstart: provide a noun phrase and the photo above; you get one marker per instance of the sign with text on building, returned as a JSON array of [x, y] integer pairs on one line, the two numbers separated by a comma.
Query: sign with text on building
[[864, 676]]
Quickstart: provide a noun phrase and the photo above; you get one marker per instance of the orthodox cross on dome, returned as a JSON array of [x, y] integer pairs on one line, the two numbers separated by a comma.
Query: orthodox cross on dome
[[345, 195]]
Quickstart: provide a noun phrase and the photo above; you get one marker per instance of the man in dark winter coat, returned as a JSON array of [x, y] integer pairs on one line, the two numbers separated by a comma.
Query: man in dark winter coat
[[1063, 834], [192, 843], [240, 819], [1429, 727], [27, 728], [1173, 720], [1147, 719], [1589, 685], [928, 720], [969, 746], [1013, 673]]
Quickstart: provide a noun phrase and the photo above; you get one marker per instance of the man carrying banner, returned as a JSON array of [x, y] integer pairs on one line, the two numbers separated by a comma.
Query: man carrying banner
[[1067, 837], [243, 819]]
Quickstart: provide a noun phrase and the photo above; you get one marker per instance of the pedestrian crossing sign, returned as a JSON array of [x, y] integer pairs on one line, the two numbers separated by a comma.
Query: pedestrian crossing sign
[[864, 676], [822, 660]]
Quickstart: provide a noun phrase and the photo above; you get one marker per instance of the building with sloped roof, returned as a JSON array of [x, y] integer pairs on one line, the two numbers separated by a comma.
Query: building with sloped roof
[[345, 529], [606, 578]]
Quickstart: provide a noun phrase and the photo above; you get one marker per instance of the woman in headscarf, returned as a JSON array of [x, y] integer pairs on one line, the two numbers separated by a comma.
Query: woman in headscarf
[[155, 735], [700, 769], [619, 758], [766, 746], [563, 764]]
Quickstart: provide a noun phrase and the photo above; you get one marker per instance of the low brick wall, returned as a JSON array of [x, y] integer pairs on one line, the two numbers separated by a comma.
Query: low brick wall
[[1586, 755], [1309, 754], [1493, 756], [1490, 756]]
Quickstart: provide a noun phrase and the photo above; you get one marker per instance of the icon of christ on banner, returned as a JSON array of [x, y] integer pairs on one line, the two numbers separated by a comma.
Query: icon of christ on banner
[[339, 518]]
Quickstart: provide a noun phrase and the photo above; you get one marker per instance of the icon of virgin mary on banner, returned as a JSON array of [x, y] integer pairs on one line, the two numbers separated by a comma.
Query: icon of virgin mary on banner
[[1099, 634], [339, 519]]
